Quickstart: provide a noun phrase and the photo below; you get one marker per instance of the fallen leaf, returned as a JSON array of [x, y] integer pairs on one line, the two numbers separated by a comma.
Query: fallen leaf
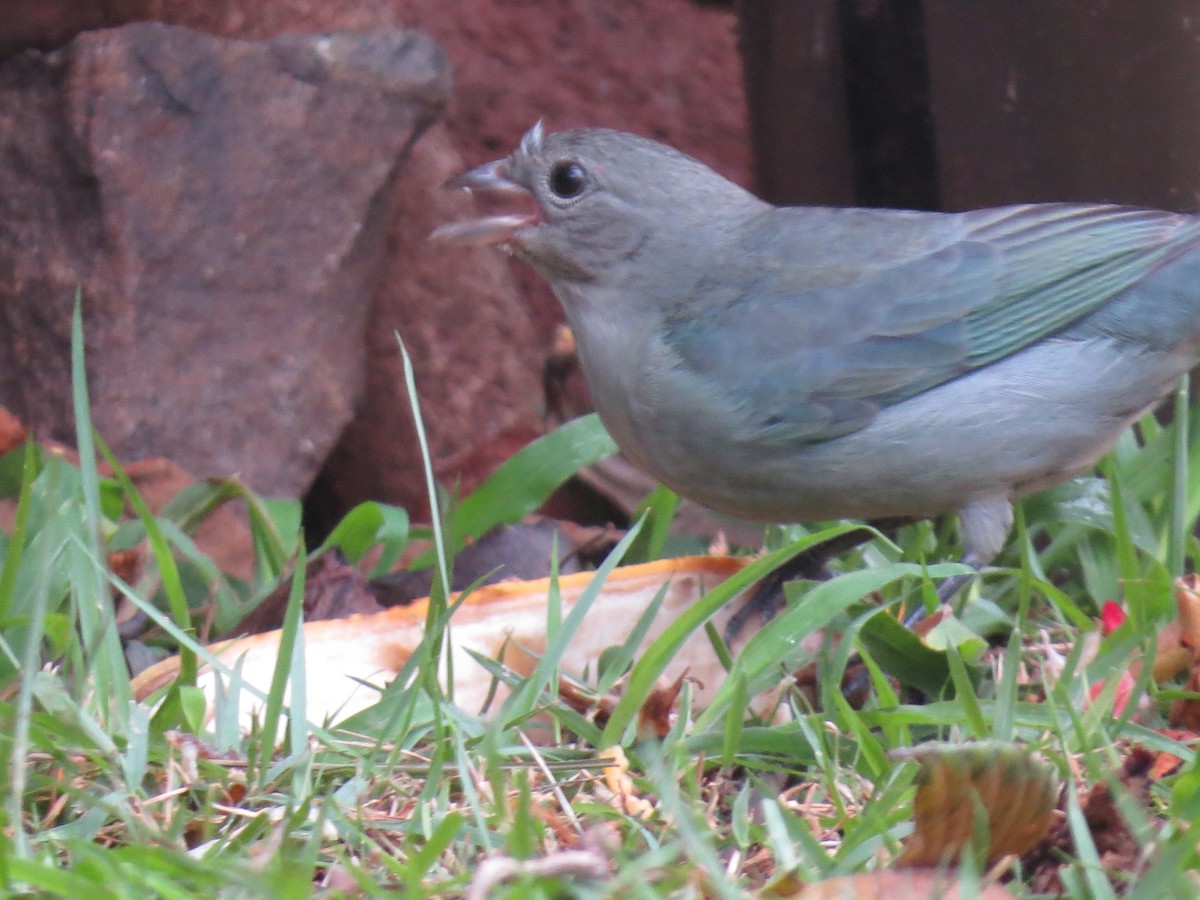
[[1016, 791], [654, 717], [1187, 600]]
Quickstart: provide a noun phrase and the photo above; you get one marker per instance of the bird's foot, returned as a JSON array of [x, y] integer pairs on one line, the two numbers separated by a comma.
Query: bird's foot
[[947, 590]]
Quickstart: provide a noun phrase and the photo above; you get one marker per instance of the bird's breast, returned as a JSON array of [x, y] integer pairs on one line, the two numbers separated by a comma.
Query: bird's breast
[[617, 355]]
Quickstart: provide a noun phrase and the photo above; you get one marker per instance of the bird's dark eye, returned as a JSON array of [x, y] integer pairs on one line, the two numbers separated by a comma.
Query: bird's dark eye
[[567, 179]]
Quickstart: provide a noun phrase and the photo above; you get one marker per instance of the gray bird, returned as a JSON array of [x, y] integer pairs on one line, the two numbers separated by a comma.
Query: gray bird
[[796, 364]]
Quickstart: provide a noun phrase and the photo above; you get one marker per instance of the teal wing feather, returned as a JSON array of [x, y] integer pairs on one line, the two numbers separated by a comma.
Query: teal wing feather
[[1061, 262], [813, 350]]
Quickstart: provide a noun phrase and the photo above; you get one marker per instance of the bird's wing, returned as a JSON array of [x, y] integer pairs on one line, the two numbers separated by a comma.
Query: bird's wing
[[809, 353]]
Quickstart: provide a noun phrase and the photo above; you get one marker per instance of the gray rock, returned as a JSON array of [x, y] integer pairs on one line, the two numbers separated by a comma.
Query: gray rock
[[223, 206]]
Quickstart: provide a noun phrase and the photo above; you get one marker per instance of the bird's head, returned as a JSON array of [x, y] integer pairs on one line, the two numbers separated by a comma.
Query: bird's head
[[581, 204]]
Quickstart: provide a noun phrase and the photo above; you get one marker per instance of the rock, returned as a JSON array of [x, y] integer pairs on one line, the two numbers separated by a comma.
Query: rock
[[224, 207], [477, 326], [668, 69], [475, 355]]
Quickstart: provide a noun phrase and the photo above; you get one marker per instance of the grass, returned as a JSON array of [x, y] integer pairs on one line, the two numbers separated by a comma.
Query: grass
[[419, 798]]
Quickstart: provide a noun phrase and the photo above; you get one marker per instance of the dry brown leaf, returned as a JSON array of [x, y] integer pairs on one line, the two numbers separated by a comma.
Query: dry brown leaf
[[1187, 599], [1179, 641], [1181, 650], [931, 621], [654, 716], [1168, 763], [1017, 793], [333, 589]]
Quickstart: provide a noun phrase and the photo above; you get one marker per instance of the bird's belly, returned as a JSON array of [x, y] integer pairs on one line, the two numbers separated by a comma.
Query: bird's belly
[[1024, 423]]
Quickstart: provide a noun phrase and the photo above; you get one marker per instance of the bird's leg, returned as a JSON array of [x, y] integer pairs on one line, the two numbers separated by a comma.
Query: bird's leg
[[809, 565], [984, 526], [947, 590]]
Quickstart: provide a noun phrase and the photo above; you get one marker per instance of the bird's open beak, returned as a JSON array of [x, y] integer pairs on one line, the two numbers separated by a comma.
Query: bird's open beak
[[489, 181]]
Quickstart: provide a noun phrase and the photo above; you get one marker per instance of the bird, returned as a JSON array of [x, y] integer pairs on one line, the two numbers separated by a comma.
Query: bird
[[796, 364]]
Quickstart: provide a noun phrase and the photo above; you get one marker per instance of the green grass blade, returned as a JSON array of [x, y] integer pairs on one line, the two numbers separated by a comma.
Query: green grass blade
[[289, 668], [659, 654], [1089, 858], [734, 720], [617, 663], [902, 654], [522, 483], [367, 526], [659, 508], [168, 571], [519, 702], [441, 589], [964, 693], [30, 670], [97, 620], [777, 644]]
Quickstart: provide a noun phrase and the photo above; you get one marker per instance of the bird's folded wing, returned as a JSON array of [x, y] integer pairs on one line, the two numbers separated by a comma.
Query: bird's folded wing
[[831, 347], [1060, 262]]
